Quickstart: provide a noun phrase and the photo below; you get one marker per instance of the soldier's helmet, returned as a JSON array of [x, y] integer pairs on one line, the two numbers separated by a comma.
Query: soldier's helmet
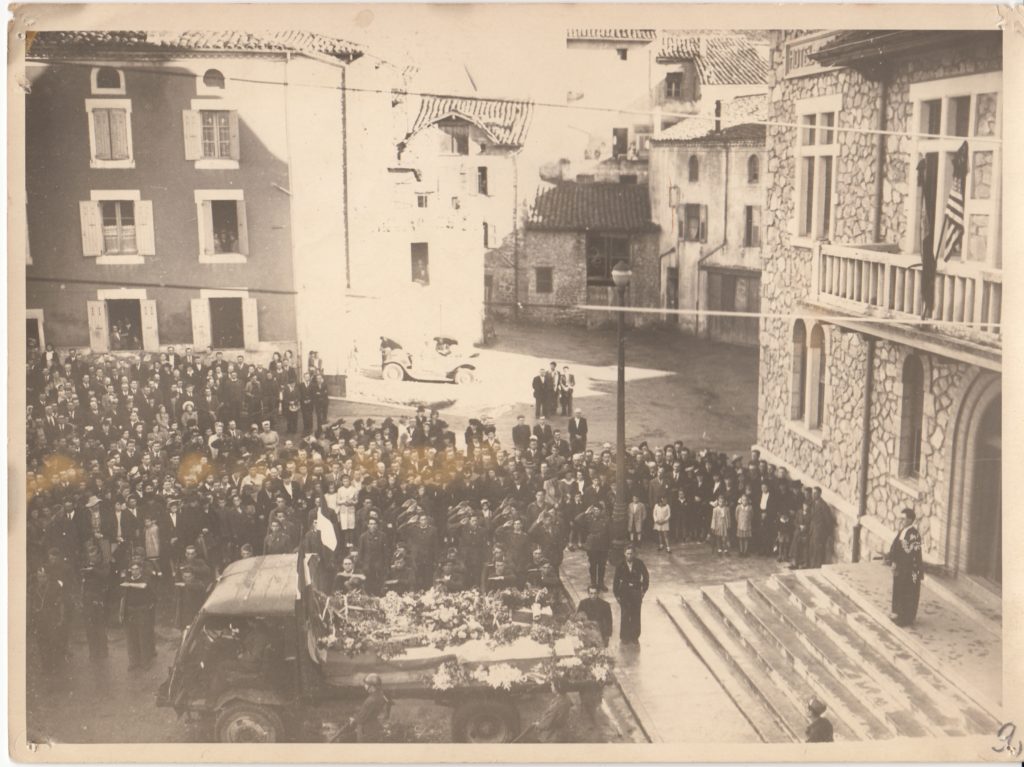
[[372, 680]]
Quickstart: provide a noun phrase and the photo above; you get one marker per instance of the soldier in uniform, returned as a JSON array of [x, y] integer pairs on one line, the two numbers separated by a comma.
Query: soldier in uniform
[[138, 604]]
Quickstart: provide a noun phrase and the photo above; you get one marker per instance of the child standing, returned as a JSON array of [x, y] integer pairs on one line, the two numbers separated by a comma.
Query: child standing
[[719, 526], [636, 516], [744, 524], [662, 517]]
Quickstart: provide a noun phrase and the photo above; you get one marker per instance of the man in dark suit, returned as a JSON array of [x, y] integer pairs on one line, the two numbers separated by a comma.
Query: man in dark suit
[[539, 391], [597, 611], [566, 385], [542, 431], [521, 433], [578, 432], [631, 583], [551, 391]]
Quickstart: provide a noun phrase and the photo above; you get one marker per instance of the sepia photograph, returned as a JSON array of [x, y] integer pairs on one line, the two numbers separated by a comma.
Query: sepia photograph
[[482, 376]]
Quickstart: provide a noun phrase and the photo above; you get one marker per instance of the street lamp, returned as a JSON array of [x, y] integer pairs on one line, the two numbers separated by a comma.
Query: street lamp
[[621, 274]]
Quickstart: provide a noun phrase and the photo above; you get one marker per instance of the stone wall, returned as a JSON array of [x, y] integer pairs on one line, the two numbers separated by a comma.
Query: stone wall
[[831, 457]]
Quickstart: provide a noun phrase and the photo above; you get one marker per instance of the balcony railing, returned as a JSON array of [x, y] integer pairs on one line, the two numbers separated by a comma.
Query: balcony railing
[[879, 283]]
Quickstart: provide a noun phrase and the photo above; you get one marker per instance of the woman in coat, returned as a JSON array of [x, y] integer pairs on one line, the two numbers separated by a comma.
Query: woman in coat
[[907, 570]]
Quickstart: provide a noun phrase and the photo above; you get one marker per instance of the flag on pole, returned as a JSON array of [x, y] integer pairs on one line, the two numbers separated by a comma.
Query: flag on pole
[[325, 527], [952, 235]]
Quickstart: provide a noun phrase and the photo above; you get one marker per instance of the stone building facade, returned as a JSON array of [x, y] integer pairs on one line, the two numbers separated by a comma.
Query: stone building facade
[[857, 395]]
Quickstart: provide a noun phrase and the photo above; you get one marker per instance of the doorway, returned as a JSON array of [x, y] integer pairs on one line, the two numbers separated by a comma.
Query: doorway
[[227, 326], [124, 324], [33, 335], [985, 517], [672, 291]]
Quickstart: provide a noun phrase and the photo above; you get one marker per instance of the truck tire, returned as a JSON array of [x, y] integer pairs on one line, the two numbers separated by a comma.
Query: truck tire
[[464, 376], [245, 722], [485, 721], [393, 372]]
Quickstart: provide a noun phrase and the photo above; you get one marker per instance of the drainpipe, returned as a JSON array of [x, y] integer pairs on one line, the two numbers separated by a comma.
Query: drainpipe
[[515, 235], [883, 103], [865, 445]]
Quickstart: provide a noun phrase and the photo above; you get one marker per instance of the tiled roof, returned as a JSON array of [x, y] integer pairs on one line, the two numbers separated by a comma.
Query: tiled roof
[[56, 44], [508, 122], [720, 59], [570, 206], [641, 35], [739, 123]]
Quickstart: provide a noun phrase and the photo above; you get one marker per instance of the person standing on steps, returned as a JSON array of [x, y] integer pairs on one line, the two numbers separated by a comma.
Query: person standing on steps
[[820, 728], [631, 583], [907, 570]]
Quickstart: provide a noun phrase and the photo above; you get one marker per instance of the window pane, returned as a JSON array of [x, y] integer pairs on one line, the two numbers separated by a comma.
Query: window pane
[[931, 117], [828, 120], [118, 134], [101, 133], [807, 207], [127, 212], [826, 197], [108, 78], [985, 114], [958, 119], [108, 210], [807, 134], [225, 226], [977, 238], [981, 176]]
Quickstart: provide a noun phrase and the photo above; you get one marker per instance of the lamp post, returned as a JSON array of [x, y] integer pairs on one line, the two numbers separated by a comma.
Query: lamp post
[[621, 275]]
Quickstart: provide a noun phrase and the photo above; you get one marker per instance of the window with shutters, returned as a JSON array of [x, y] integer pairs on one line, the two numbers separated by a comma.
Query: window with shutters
[[752, 226], [211, 135], [110, 133], [107, 81], [816, 166], [223, 235], [693, 222], [117, 227]]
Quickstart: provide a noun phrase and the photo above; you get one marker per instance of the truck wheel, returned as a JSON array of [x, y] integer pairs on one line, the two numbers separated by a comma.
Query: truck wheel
[[485, 721], [464, 376], [393, 372], [243, 722]]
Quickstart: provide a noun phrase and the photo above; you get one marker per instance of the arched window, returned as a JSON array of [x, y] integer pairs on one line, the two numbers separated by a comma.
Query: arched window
[[213, 78], [799, 382], [816, 378], [694, 169], [753, 169], [911, 417], [107, 80]]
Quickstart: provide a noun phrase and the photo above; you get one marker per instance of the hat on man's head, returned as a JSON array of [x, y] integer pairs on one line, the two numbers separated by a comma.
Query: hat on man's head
[[816, 707], [93, 501]]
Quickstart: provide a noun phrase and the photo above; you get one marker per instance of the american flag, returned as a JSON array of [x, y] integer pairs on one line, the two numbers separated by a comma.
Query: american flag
[[952, 235]]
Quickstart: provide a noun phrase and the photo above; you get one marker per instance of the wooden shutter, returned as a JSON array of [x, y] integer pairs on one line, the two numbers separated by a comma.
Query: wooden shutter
[[703, 223], [206, 222], [118, 134], [92, 228], [99, 339], [192, 123], [201, 338], [101, 133], [243, 229], [233, 132], [150, 336], [250, 323], [144, 236]]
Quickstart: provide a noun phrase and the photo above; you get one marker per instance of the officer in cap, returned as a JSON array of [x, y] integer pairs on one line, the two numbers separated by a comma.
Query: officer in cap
[[820, 728]]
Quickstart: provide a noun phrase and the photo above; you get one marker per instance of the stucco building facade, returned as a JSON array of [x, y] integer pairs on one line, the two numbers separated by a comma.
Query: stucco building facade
[[858, 395]]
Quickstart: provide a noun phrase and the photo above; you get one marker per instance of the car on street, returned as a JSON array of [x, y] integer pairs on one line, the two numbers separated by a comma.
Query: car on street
[[436, 359]]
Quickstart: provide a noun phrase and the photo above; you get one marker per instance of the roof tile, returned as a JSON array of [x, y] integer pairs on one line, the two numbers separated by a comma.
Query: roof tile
[[611, 34], [572, 206], [721, 59], [507, 121]]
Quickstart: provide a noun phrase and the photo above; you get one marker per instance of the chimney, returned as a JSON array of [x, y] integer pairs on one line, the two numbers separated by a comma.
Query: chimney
[[718, 115]]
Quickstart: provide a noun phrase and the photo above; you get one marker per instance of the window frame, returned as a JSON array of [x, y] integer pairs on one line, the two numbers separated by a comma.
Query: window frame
[[220, 104], [754, 169], [817, 152], [218, 129], [605, 279], [702, 221], [202, 196], [674, 82], [414, 257], [945, 90], [482, 181], [125, 104], [909, 466], [752, 226], [693, 169], [98, 90], [549, 280], [97, 196]]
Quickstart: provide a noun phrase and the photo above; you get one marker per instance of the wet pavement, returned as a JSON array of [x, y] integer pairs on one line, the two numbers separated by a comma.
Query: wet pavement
[[675, 697]]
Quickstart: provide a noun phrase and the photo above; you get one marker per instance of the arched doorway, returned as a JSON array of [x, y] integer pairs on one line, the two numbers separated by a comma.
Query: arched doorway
[[974, 543], [985, 513]]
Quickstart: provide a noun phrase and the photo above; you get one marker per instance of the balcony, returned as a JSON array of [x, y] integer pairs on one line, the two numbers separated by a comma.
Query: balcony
[[871, 282]]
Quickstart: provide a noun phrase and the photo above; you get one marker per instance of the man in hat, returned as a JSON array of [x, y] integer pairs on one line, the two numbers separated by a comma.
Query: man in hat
[[820, 728]]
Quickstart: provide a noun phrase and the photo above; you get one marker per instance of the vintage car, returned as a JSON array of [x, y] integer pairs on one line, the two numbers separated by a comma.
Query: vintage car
[[437, 359], [251, 669]]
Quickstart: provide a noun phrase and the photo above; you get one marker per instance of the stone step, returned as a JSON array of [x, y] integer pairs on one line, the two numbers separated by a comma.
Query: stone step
[[981, 606], [937, 713], [771, 713], [844, 664], [867, 723], [797, 688], [912, 661]]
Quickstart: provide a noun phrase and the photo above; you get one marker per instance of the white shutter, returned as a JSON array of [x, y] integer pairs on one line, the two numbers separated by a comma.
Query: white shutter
[[206, 222], [92, 229], [236, 152], [119, 129], [193, 127], [201, 338], [99, 338], [145, 239], [250, 323], [243, 229], [150, 336]]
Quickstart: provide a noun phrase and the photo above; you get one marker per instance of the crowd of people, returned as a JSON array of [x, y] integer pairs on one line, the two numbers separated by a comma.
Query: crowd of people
[[147, 475]]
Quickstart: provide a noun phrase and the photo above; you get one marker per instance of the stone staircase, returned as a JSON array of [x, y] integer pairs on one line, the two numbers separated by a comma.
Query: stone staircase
[[772, 644]]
